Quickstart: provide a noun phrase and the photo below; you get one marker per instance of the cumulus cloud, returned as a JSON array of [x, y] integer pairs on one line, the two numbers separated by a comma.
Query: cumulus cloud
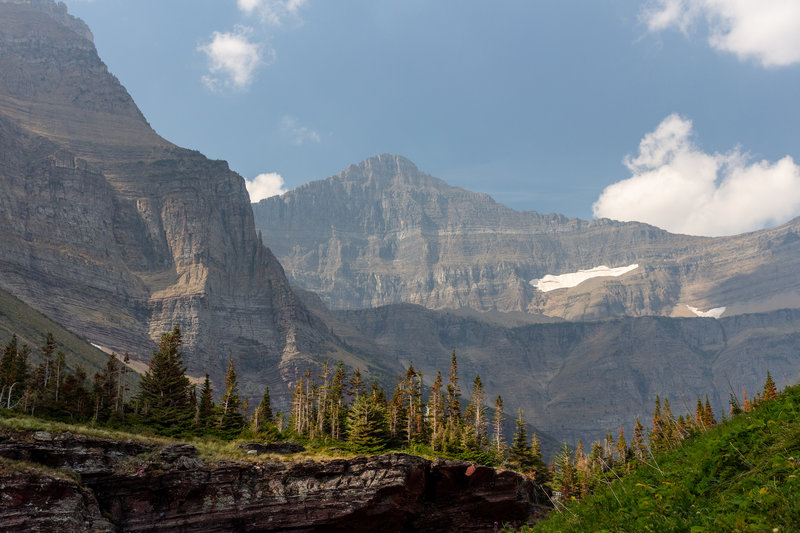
[[233, 58], [677, 186], [273, 12], [264, 186], [767, 31], [297, 133]]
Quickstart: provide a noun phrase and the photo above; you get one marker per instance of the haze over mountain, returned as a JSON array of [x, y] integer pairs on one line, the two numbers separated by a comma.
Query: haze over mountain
[[384, 232]]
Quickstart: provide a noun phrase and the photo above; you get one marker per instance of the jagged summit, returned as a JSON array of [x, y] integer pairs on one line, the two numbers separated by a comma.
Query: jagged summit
[[383, 232]]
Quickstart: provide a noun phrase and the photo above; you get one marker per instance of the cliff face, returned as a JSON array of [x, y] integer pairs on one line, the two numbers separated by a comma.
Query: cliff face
[[382, 232], [118, 234], [394, 492]]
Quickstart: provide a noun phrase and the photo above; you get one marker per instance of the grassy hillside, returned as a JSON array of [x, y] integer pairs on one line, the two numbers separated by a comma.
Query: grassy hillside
[[743, 475], [31, 327]]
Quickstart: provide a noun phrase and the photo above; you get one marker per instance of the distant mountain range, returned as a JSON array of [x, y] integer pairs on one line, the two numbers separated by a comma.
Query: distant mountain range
[[118, 235], [383, 232]]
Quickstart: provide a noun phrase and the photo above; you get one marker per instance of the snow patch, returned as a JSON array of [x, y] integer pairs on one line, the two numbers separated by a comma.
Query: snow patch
[[564, 281], [711, 313]]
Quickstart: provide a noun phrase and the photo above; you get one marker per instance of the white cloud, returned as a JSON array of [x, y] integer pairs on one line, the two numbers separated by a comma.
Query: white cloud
[[678, 187], [765, 30], [273, 12], [233, 59], [297, 133], [264, 186]]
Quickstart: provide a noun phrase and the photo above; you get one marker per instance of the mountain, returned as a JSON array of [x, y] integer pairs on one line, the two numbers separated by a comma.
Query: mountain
[[118, 234], [575, 380], [383, 232]]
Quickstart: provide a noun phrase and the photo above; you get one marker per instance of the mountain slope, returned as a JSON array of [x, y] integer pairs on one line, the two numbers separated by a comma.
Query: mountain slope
[[575, 380], [383, 232], [743, 475], [118, 234]]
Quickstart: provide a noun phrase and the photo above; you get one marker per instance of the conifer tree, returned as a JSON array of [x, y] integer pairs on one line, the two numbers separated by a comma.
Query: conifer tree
[[638, 446], [498, 424], [367, 431], [436, 413], [564, 475], [357, 388], [231, 416], [337, 410], [708, 415], [205, 405], [164, 391], [623, 453], [453, 393], [262, 416], [476, 416], [770, 391], [658, 441]]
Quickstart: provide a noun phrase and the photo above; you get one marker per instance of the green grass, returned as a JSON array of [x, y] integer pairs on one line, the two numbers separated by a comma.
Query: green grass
[[31, 327], [743, 475]]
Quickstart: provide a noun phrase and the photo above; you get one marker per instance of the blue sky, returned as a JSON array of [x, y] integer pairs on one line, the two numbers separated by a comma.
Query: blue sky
[[681, 113]]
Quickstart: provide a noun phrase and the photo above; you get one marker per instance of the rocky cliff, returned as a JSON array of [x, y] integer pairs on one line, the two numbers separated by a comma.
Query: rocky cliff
[[92, 484], [118, 234], [383, 232]]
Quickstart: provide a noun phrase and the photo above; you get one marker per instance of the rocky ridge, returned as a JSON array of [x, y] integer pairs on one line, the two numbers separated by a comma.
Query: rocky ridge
[[394, 492], [383, 232]]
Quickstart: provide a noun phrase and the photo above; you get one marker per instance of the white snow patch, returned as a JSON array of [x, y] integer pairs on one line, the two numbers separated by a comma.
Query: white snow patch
[[101, 348], [564, 281], [711, 313]]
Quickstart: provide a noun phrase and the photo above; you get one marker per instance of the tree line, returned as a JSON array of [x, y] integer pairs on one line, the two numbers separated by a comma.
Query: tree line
[[336, 407]]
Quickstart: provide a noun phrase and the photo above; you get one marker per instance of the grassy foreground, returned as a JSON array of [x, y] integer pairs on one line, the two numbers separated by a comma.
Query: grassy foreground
[[742, 475]]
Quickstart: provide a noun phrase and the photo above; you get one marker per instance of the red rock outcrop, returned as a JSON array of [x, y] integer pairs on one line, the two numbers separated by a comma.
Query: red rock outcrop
[[394, 492]]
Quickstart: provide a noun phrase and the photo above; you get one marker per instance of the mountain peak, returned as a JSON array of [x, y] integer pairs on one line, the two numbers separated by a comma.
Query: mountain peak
[[58, 12]]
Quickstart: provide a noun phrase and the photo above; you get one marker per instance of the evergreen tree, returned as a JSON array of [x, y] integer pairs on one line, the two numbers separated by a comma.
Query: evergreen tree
[[262, 416], [436, 413], [476, 416], [770, 391], [638, 446], [564, 475], [708, 415], [357, 388], [519, 453], [231, 416], [453, 405], [164, 390], [658, 436], [498, 424], [367, 431], [623, 453], [205, 405]]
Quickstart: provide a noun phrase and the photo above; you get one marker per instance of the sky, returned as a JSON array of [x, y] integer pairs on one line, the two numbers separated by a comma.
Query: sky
[[680, 113]]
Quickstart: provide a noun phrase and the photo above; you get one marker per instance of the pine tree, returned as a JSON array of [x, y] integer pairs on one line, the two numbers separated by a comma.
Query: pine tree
[[262, 416], [498, 424], [357, 388], [623, 453], [164, 390], [231, 417], [708, 415], [638, 446], [564, 475], [476, 416], [367, 431], [205, 405], [770, 391], [436, 413], [658, 438], [453, 405], [520, 454]]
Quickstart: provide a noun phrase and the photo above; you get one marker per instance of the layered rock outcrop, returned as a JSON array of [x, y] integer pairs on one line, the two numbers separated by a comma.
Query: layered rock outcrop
[[383, 232], [393, 492]]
